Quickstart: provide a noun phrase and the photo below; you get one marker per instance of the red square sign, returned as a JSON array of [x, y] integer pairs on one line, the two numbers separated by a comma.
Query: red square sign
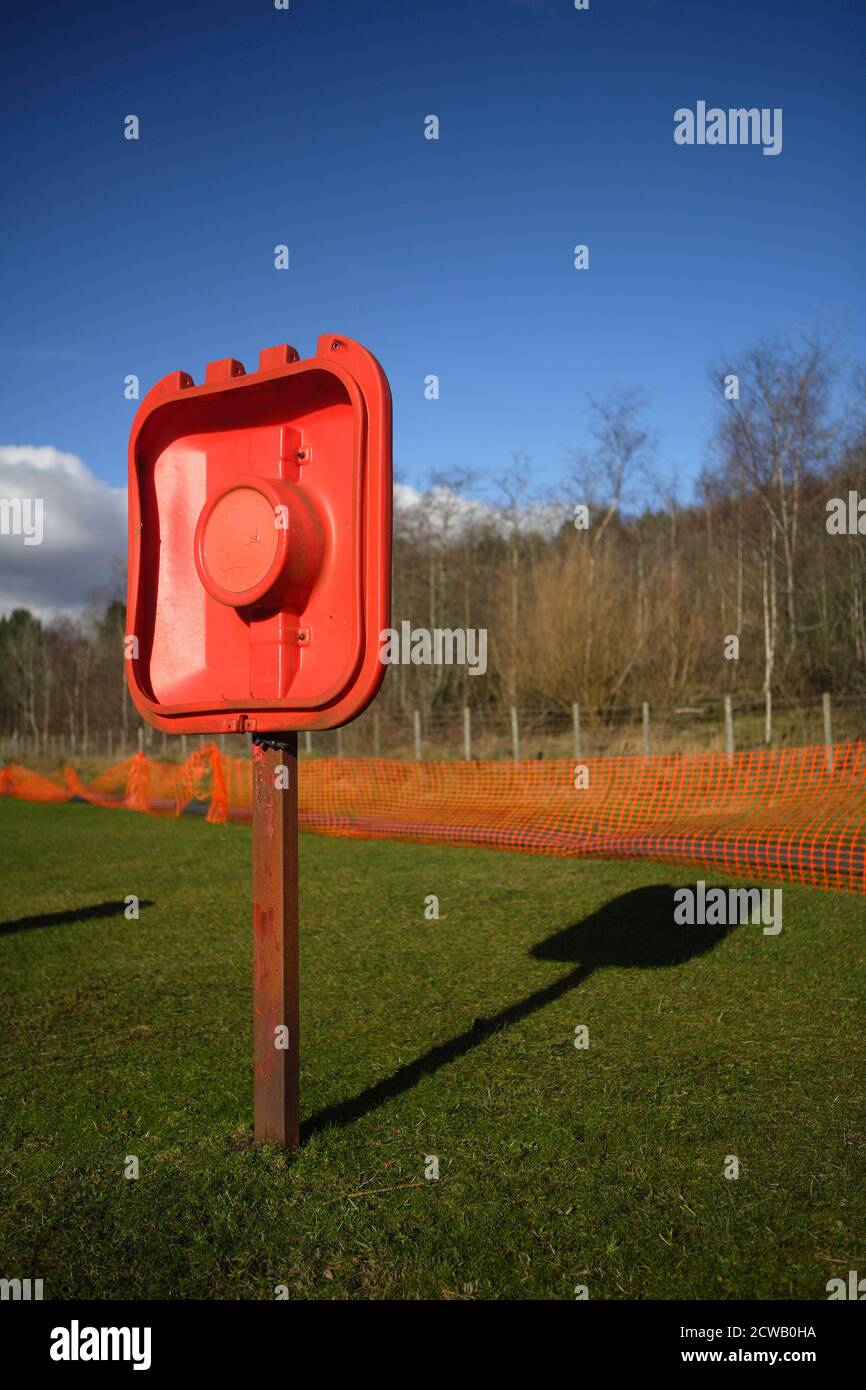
[[260, 543]]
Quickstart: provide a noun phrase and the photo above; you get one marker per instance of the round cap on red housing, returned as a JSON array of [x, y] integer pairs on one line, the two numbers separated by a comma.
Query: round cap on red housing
[[258, 542]]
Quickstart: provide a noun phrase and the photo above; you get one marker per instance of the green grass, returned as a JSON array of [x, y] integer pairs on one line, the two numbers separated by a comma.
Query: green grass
[[558, 1167]]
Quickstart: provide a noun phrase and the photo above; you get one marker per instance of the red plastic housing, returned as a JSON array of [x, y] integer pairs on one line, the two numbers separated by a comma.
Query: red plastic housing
[[260, 543]]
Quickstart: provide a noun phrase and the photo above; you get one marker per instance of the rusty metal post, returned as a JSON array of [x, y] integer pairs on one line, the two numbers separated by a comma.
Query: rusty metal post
[[276, 1056]]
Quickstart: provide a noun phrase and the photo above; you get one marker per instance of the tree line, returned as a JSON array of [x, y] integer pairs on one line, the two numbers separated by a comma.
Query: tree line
[[603, 588]]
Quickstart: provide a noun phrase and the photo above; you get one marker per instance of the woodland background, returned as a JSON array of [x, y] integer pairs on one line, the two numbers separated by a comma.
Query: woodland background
[[636, 608]]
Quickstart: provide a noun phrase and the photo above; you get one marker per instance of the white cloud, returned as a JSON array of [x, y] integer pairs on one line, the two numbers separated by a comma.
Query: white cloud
[[83, 549], [448, 513]]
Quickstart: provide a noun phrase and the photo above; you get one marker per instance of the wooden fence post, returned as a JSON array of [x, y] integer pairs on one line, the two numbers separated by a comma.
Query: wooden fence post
[[467, 733], [828, 730], [515, 734], [729, 727], [645, 709]]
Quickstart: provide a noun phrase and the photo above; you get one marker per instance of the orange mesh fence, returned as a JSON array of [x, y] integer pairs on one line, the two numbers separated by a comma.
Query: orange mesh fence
[[797, 814], [138, 784]]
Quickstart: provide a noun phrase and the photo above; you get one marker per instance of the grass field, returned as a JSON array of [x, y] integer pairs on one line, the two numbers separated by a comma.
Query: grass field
[[558, 1166]]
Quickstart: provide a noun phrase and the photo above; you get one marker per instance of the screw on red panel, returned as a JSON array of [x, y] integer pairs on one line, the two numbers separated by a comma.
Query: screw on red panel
[[336, 345], [304, 634]]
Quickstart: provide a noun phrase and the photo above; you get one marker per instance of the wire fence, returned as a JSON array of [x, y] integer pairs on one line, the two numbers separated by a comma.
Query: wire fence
[[725, 724]]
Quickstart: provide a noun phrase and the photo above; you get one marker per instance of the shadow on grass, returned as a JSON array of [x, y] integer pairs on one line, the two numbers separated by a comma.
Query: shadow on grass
[[636, 930], [73, 914]]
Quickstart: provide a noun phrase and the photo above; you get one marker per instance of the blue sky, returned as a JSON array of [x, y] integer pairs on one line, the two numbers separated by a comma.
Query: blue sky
[[451, 257]]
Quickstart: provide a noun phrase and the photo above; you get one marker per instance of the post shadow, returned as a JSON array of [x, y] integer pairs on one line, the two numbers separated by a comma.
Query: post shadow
[[636, 930], [72, 914]]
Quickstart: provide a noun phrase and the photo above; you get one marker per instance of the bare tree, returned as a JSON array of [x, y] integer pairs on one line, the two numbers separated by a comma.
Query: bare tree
[[776, 434], [604, 472], [515, 489], [619, 453]]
